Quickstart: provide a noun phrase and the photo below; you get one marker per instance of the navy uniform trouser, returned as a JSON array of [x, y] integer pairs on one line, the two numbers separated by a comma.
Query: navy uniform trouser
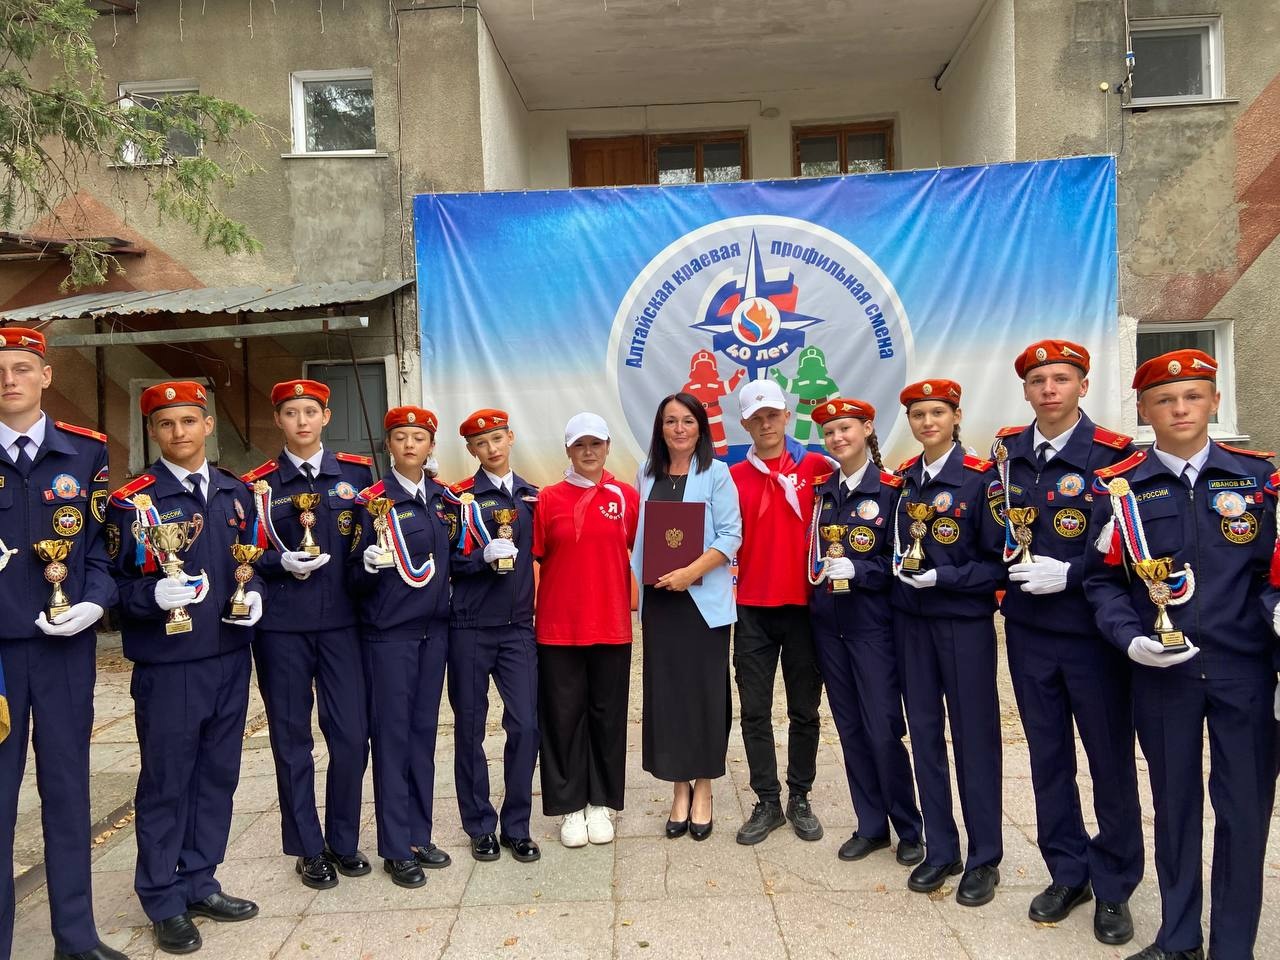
[[405, 679], [190, 721], [51, 679], [510, 655], [1171, 712], [860, 671], [1061, 679], [954, 659], [287, 665]]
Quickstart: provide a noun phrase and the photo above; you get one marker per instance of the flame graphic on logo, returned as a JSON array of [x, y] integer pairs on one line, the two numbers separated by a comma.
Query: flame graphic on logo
[[756, 323]]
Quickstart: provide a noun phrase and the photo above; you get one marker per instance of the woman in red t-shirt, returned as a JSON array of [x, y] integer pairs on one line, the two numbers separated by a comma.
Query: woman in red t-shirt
[[583, 529]]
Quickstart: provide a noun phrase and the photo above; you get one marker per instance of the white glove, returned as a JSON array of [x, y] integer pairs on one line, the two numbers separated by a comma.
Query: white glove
[[81, 616], [1103, 543], [1275, 620], [172, 593], [921, 580], [371, 553], [1044, 575], [302, 564], [837, 568], [498, 549], [1150, 653], [1276, 709], [254, 599]]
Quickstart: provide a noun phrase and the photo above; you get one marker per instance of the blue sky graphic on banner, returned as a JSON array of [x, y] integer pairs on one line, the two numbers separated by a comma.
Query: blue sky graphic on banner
[[549, 303]]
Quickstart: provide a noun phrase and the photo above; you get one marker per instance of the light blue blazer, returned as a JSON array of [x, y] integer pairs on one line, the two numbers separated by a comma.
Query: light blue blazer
[[715, 487]]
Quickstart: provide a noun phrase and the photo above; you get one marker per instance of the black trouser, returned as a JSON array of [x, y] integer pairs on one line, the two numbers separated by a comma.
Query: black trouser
[[761, 637]]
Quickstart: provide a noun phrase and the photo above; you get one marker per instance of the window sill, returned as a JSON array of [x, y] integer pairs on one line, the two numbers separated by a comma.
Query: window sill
[[1189, 102], [376, 154]]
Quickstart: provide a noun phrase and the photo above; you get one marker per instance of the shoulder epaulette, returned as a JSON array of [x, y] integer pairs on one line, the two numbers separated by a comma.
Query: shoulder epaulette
[[1124, 466], [906, 465], [1272, 485], [821, 478], [462, 486], [977, 463], [1109, 438], [440, 483], [1010, 431], [1260, 454], [354, 458], [257, 473], [135, 485], [82, 431], [891, 479], [368, 493]]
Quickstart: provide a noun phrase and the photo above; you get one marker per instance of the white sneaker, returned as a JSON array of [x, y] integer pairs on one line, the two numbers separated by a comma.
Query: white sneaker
[[599, 826], [573, 829]]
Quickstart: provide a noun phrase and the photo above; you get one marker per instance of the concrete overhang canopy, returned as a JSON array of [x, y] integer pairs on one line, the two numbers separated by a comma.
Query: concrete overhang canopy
[[567, 54]]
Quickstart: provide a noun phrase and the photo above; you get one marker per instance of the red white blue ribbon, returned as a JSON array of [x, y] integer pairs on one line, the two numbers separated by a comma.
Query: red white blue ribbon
[[816, 561], [1128, 523], [472, 530], [415, 575], [1011, 545], [262, 505], [148, 517]]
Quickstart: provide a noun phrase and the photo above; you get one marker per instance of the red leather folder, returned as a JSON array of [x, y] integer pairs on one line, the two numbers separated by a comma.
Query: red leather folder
[[672, 536]]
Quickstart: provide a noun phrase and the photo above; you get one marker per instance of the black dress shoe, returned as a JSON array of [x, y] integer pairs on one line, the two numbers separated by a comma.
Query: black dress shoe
[[700, 831], [223, 908], [486, 847], [100, 952], [1153, 952], [349, 865], [432, 857], [803, 820], [316, 872], [677, 828], [910, 852], [1112, 922], [522, 848], [928, 877], [1057, 901], [857, 847], [405, 873], [978, 886], [176, 935]]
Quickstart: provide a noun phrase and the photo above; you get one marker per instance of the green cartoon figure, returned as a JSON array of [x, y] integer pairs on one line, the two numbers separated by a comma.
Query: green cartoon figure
[[811, 386]]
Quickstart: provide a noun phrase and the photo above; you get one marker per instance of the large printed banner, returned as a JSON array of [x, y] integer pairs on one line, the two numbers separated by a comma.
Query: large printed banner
[[550, 303]]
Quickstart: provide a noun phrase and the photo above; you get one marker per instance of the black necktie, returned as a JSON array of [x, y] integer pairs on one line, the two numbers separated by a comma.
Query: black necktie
[[310, 473], [1042, 454], [417, 495], [1187, 478], [23, 461], [197, 485]]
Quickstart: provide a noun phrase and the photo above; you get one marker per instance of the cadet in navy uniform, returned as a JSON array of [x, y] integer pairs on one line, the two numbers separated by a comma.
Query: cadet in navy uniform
[[190, 688], [491, 634], [851, 548], [404, 615], [1203, 504], [309, 634], [943, 622], [53, 485], [1063, 670]]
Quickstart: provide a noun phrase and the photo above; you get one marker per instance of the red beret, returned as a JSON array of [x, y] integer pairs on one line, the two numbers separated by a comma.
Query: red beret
[[948, 391], [297, 390], [482, 421], [838, 407], [22, 338], [175, 393], [1175, 365], [1051, 351], [409, 417]]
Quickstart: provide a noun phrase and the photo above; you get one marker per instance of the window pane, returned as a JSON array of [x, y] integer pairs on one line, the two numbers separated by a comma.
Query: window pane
[[677, 163], [819, 156], [722, 161], [339, 115], [866, 152], [1153, 344], [178, 142], [1168, 63]]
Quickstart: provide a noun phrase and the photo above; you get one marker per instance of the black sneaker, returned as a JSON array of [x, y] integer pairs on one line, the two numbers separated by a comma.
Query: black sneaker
[[765, 818], [803, 820]]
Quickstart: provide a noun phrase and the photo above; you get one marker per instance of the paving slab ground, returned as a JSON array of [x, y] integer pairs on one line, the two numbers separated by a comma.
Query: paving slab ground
[[641, 898]]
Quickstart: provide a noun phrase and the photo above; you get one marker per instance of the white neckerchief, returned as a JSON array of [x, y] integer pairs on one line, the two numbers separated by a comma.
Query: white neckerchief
[[1177, 464], [573, 478], [413, 488], [9, 437], [314, 460], [1056, 444], [784, 481], [932, 470], [506, 483], [851, 482]]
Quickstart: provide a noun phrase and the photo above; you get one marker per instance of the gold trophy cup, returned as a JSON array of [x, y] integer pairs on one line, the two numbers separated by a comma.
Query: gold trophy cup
[[53, 553], [1022, 518], [920, 514], [833, 534], [1154, 573], [379, 507], [245, 554], [505, 517], [305, 504], [166, 541]]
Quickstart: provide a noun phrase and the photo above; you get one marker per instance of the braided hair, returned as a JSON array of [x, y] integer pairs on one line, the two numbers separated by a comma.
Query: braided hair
[[873, 447]]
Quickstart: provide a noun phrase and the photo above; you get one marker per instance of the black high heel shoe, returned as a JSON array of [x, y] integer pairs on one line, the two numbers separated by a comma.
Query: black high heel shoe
[[678, 828], [700, 831]]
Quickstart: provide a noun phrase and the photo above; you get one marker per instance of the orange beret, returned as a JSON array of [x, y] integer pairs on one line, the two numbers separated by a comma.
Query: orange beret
[[1051, 351], [482, 421], [1175, 365], [948, 391], [297, 390], [175, 393], [409, 417], [838, 407], [22, 338]]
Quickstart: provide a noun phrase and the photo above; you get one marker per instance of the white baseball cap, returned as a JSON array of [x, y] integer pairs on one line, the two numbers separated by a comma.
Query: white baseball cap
[[585, 425], [756, 394]]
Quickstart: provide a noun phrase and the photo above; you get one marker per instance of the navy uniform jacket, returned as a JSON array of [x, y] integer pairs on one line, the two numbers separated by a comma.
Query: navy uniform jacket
[[481, 597], [867, 512], [389, 608], [1064, 496], [960, 544], [1225, 528], [63, 498], [142, 621], [322, 601]]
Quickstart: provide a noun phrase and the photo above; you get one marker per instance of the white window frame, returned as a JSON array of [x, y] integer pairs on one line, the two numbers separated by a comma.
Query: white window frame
[[1211, 53], [153, 88], [1223, 351], [298, 110]]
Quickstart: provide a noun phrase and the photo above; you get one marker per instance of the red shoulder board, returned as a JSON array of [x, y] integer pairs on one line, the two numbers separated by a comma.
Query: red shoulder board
[[440, 483], [135, 485], [82, 431], [1010, 431], [891, 479], [1124, 466], [1109, 438], [822, 477], [906, 465], [354, 458], [368, 493], [977, 463], [257, 473], [1260, 454], [1273, 484], [462, 486]]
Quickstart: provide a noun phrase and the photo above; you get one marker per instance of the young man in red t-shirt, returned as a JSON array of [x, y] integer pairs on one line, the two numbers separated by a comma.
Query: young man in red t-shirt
[[775, 489]]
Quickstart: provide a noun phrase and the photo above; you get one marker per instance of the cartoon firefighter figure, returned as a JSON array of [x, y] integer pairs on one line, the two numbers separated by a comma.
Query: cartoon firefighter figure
[[705, 384], [811, 386]]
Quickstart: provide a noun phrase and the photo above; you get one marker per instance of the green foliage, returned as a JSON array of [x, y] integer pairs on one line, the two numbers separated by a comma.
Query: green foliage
[[57, 124]]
